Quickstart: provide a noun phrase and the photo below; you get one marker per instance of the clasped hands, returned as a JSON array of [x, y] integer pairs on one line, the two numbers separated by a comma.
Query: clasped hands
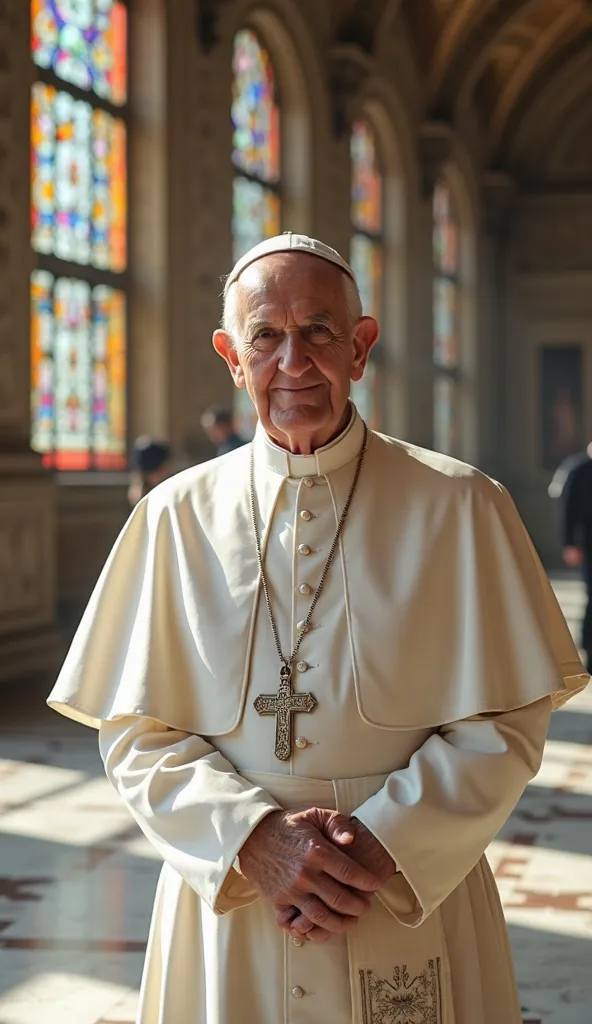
[[297, 861]]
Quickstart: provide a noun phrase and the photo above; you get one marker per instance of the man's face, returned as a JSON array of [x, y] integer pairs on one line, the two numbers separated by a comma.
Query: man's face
[[297, 346]]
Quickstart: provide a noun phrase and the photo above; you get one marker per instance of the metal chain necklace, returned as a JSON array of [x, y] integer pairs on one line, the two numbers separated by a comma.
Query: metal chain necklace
[[286, 703]]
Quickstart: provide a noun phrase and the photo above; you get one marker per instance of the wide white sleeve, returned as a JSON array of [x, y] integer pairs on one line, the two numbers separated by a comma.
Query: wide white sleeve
[[189, 802], [437, 817]]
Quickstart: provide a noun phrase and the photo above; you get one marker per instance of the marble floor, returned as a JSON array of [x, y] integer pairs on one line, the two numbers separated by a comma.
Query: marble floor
[[77, 879]]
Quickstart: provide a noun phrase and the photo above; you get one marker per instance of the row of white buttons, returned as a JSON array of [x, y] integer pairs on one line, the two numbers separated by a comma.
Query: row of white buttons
[[301, 741]]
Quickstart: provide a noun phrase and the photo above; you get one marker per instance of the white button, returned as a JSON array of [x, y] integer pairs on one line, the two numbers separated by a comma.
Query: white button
[[301, 742], [303, 549], [305, 589], [297, 992], [302, 666], [308, 481], [302, 626], [296, 941], [306, 515]]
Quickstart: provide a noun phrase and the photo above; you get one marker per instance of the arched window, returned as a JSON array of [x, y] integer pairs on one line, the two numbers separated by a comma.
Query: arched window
[[256, 158], [79, 287], [447, 337], [367, 249], [256, 145]]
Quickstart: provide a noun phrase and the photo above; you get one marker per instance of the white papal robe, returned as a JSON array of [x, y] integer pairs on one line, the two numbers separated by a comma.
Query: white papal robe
[[436, 653]]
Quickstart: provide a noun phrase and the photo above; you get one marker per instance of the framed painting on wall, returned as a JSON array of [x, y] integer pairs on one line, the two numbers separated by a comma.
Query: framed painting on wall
[[561, 403]]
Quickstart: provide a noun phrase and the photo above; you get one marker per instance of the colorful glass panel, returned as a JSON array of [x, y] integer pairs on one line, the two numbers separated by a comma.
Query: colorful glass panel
[[108, 227], [42, 375], [446, 415], [366, 263], [109, 378], [78, 171], [73, 374], [366, 180], [255, 215], [446, 346], [445, 236], [84, 42], [43, 147], [255, 114], [79, 376]]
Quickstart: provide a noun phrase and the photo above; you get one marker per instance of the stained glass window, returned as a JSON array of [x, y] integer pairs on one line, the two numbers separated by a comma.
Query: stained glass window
[[79, 376], [255, 113], [367, 250], [79, 233], [446, 320], [366, 263], [366, 195], [446, 414], [256, 144], [84, 42], [256, 204], [78, 180], [256, 214]]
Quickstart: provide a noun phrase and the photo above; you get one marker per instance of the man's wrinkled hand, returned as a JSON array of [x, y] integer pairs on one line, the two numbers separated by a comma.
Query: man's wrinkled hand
[[363, 847], [294, 860]]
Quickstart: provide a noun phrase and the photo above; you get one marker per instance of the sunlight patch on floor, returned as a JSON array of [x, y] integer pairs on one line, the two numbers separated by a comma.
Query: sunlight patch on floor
[[60, 998]]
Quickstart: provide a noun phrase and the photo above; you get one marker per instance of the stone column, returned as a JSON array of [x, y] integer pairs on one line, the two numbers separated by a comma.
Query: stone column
[[435, 144], [28, 638], [498, 192]]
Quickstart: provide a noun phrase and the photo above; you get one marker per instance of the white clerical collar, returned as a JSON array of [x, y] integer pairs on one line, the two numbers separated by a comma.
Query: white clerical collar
[[325, 460]]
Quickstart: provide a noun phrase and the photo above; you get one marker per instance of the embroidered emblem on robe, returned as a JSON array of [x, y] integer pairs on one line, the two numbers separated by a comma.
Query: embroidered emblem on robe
[[404, 998]]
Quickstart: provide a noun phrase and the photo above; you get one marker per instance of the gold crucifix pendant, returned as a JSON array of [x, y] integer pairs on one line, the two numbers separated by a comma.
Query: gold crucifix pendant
[[284, 705]]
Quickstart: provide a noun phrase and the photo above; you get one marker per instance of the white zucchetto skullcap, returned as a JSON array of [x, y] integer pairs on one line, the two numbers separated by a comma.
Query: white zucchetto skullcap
[[288, 242]]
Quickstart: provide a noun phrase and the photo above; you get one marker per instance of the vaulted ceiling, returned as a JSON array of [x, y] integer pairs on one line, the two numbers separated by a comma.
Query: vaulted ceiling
[[501, 54]]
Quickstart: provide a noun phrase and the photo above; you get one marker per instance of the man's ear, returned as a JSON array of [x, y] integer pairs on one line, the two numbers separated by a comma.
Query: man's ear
[[226, 348], [365, 338]]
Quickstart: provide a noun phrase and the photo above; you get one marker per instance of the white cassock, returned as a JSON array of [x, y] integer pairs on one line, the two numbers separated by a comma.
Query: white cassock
[[436, 653]]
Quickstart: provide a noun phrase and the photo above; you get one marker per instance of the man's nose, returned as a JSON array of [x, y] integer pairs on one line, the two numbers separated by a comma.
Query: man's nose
[[294, 359]]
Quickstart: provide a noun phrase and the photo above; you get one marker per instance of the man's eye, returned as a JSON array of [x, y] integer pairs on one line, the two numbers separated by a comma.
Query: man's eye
[[319, 330], [265, 340]]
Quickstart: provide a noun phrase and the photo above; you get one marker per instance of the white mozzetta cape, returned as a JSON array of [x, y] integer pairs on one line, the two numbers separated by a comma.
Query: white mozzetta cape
[[449, 611], [436, 651]]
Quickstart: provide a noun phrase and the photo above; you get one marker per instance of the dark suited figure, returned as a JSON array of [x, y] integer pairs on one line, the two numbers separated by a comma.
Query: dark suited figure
[[150, 465], [219, 426], [572, 484]]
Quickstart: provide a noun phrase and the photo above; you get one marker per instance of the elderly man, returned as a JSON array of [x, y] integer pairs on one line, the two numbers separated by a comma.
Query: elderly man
[[322, 669]]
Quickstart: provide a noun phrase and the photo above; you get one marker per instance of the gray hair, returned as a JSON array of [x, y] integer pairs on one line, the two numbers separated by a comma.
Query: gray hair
[[229, 321]]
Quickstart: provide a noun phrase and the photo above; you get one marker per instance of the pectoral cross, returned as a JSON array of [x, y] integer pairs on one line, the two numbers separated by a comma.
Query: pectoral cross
[[283, 705]]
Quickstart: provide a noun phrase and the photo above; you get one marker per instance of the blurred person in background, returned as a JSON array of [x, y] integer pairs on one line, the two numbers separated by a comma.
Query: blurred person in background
[[151, 463], [218, 424], [572, 486]]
